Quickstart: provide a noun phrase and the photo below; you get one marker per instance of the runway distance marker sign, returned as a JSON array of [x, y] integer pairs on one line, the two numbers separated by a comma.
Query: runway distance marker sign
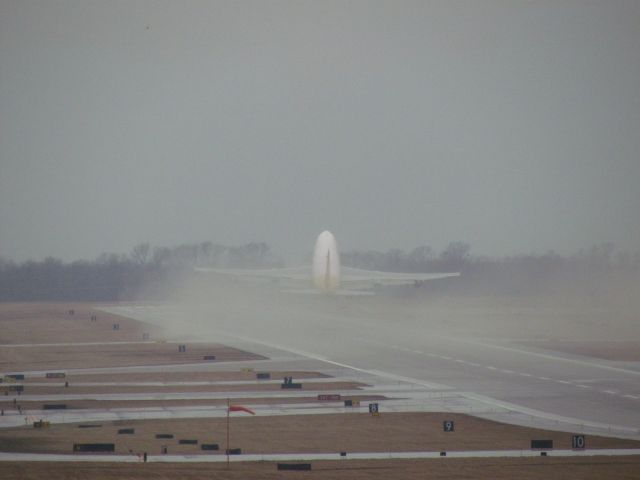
[[329, 397]]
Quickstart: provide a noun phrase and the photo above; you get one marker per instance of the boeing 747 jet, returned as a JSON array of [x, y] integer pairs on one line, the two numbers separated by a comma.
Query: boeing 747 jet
[[328, 276]]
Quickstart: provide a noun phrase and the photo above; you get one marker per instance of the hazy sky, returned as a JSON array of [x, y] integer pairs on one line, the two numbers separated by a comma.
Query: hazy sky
[[511, 125]]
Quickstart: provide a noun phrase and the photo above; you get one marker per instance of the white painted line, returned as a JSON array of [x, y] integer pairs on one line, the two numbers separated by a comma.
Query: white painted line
[[195, 383], [48, 457], [610, 392], [159, 396], [168, 367], [419, 402], [550, 357], [82, 344]]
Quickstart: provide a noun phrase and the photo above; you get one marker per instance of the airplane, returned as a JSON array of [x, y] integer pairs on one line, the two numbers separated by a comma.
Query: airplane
[[329, 277]]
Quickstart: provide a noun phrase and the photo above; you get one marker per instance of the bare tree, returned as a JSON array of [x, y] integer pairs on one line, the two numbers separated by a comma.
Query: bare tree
[[140, 253]]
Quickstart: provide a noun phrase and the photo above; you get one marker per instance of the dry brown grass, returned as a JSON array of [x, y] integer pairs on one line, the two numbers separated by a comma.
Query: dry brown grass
[[355, 432], [91, 356], [586, 468], [51, 323]]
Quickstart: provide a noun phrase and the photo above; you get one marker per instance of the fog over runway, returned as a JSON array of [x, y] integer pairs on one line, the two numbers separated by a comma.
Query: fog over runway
[[430, 347]]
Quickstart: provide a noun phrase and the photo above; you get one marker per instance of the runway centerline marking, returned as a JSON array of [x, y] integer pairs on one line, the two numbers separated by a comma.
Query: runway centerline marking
[[490, 367], [547, 356]]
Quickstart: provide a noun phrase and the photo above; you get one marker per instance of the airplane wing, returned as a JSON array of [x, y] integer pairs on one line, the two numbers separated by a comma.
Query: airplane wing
[[353, 281], [359, 279], [292, 273]]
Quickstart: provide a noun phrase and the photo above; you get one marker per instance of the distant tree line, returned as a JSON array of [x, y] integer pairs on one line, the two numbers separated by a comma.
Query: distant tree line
[[589, 269], [152, 272], [147, 272], [454, 258]]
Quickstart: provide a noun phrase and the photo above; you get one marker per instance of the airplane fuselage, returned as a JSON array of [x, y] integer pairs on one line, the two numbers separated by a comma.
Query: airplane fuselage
[[326, 263]]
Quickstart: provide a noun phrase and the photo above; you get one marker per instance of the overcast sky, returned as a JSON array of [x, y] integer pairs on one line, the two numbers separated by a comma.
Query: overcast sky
[[511, 125]]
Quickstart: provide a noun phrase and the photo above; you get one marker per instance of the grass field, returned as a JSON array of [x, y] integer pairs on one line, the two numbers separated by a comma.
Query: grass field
[[329, 433], [549, 468]]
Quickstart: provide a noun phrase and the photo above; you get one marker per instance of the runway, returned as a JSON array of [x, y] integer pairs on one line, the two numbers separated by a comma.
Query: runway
[[518, 381]]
